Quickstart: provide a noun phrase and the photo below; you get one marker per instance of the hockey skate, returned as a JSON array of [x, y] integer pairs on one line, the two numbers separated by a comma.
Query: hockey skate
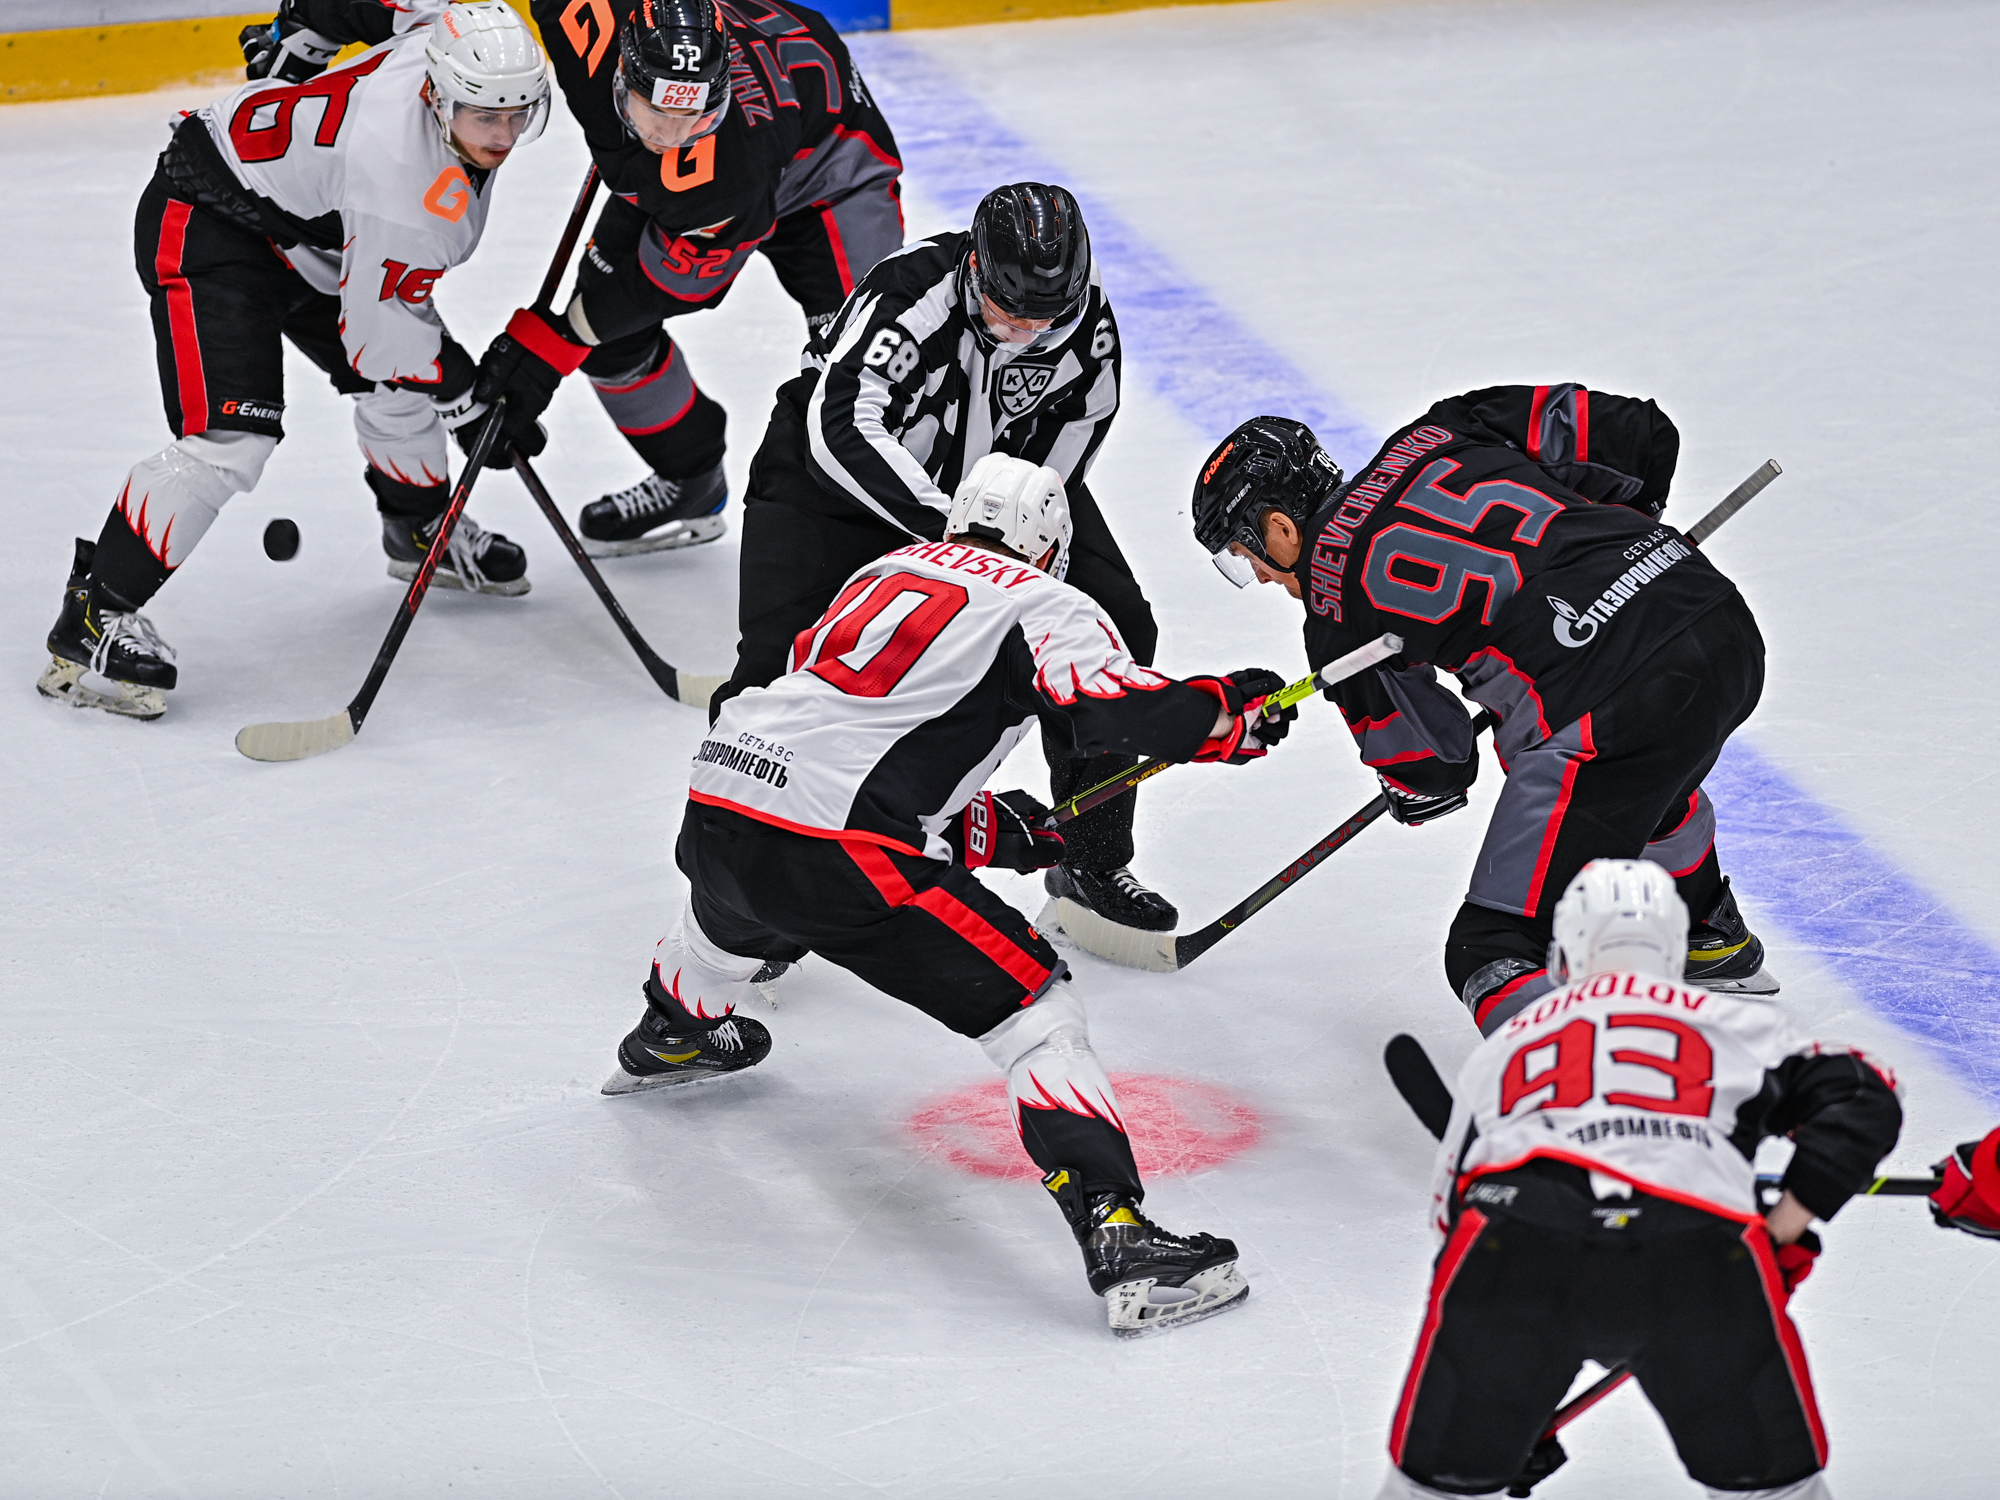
[[768, 978], [1149, 1279], [660, 1053], [656, 514], [1724, 955], [477, 560], [104, 657], [1115, 895]]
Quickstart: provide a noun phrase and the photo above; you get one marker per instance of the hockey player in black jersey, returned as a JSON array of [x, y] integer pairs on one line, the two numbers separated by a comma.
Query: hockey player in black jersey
[[996, 340], [1511, 536], [722, 129], [319, 208], [839, 811], [1595, 1198]]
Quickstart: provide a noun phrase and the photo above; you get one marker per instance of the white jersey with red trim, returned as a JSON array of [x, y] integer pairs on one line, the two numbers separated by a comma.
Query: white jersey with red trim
[[360, 141], [1637, 1077], [927, 669]]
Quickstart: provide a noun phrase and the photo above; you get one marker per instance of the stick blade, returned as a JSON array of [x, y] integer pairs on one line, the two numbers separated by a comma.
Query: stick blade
[[1410, 1069], [696, 688], [298, 741], [1135, 949]]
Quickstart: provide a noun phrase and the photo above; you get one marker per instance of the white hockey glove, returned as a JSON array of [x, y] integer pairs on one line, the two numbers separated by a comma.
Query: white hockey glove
[[283, 50]]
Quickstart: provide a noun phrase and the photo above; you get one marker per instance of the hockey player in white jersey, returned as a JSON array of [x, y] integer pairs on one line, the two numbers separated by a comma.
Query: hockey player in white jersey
[[322, 210], [840, 811], [1596, 1200]]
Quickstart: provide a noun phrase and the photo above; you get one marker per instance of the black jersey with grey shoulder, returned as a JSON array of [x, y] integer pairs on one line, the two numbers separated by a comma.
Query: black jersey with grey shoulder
[[801, 130], [905, 389], [1507, 536]]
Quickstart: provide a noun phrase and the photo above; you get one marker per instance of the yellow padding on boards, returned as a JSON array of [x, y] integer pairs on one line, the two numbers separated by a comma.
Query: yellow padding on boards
[[133, 58], [918, 15]]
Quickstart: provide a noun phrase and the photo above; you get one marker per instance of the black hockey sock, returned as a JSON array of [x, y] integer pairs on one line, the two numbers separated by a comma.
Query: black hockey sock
[[677, 1016], [411, 502], [124, 569], [693, 445], [1096, 1151], [1480, 935], [1100, 839], [1701, 887]]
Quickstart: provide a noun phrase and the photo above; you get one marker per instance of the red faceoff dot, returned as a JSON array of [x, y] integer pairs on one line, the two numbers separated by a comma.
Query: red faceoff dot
[[1177, 1127]]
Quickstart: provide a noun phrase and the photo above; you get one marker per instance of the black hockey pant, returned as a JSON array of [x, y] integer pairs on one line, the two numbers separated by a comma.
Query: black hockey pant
[[223, 303], [1622, 782], [642, 378], [920, 930], [800, 544], [1523, 1294]]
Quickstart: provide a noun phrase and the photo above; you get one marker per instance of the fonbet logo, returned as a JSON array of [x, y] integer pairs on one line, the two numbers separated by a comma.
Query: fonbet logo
[[1571, 628]]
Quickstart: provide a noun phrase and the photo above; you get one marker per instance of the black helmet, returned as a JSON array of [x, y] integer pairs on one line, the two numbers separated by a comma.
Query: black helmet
[[1268, 463], [1034, 253], [674, 54]]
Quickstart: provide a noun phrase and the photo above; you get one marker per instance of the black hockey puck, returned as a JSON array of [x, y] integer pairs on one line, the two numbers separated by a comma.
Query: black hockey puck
[[281, 540]]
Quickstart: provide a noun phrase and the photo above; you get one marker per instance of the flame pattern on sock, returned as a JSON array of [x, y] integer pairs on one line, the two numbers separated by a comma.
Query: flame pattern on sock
[[141, 525]]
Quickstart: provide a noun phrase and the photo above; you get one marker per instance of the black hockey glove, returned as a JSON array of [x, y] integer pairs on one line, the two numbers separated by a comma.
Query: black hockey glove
[[1250, 734], [526, 364], [1004, 830], [1969, 1197], [1413, 808], [285, 49]]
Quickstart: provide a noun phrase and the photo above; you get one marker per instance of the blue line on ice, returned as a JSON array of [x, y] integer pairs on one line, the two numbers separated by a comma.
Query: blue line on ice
[[1894, 943]]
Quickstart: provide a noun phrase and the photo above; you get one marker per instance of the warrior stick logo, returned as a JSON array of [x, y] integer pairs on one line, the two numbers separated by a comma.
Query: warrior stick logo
[[1022, 386]]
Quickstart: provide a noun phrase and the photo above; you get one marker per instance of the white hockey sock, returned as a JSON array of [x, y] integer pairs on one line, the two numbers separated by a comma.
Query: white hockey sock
[[171, 499], [1399, 1486], [401, 436], [705, 979], [1044, 1049], [1806, 1489]]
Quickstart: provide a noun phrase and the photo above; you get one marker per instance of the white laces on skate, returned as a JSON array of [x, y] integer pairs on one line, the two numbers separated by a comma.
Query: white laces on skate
[[727, 1037], [1126, 881], [127, 629], [469, 541], [649, 494]]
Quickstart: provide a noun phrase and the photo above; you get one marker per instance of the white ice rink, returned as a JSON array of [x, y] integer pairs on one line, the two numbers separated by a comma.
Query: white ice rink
[[306, 1189]]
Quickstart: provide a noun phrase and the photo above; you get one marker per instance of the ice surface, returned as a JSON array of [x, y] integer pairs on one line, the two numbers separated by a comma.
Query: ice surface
[[307, 1187]]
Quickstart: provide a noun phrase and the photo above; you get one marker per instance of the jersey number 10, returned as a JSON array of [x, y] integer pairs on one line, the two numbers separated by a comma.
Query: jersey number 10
[[860, 605]]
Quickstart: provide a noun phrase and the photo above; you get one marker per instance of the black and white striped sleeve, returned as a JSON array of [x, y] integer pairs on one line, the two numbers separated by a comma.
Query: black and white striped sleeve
[[880, 360]]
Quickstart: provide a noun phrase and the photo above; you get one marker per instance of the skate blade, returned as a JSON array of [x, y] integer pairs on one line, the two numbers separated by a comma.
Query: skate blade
[[298, 740], [447, 578], [668, 538], [1763, 982], [622, 1082], [1139, 1308], [1133, 947], [73, 683]]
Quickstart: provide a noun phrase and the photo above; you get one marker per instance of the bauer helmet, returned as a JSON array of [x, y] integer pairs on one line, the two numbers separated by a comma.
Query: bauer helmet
[[672, 83], [486, 68], [1034, 253], [1020, 505], [1268, 463], [1619, 914]]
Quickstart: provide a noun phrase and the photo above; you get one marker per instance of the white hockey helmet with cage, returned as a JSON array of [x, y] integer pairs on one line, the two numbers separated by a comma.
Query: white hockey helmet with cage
[[1619, 914], [483, 58], [1020, 505]]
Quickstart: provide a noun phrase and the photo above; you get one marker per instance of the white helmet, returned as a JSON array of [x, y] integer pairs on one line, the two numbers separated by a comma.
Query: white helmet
[[1020, 505], [483, 57], [1619, 914]]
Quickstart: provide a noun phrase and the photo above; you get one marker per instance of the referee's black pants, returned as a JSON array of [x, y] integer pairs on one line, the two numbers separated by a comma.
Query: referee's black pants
[[800, 544]]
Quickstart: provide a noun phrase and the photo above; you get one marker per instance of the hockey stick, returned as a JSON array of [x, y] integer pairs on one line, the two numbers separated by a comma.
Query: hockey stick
[[1337, 670], [688, 687], [1164, 953], [308, 737]]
